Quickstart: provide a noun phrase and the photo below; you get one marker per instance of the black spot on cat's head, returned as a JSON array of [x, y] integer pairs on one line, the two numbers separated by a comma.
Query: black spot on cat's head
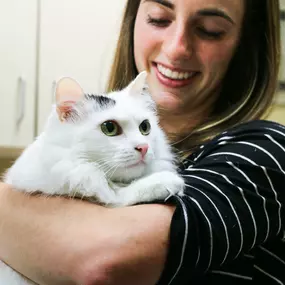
[[104, 102]]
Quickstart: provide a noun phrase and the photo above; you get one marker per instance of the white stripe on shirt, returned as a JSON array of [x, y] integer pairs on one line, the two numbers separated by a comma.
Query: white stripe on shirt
[[241, 191], [223, 222], [231, 205], [185, 238], [210, 230], [264, 171], [272, 254], [269, 275]]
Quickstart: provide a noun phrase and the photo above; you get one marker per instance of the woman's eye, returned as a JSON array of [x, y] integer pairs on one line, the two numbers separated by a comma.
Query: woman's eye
[[158, 22], [111, 128], [210, 34]]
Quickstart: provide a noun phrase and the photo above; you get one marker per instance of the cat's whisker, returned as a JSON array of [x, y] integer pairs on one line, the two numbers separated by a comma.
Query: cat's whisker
[[114, 171], [115, 167], [112, 161], [105, 169], [104, 166], [111, 168], [102, 163], [127, 157], [82, 197]]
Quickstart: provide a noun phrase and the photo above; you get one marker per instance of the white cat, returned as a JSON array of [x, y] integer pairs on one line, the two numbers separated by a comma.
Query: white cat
[[108, 147]]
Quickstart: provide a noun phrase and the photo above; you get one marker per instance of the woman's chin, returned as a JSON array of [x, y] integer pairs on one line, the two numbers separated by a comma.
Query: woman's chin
[[168, 101]]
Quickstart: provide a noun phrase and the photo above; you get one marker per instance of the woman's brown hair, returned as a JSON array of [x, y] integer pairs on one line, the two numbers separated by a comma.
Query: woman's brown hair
[[250, 82]]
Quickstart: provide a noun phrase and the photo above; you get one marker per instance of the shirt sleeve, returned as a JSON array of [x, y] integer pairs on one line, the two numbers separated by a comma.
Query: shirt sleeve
[[232, 201]]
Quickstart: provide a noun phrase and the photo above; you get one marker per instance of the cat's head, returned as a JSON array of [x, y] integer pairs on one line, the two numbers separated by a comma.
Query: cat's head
[[118, 130]]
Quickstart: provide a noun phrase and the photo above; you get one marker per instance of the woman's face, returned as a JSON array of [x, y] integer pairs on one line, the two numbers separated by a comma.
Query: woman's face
[[186, 46]]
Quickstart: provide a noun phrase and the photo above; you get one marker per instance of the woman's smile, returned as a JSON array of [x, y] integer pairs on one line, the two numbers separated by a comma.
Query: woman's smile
[[173, 77]]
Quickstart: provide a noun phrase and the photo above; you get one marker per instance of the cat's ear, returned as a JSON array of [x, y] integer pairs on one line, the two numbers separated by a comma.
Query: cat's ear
[[138, 85], [67, 93]]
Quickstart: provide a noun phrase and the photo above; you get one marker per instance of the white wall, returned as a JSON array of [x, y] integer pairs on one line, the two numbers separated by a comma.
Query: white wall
[[85, 51]]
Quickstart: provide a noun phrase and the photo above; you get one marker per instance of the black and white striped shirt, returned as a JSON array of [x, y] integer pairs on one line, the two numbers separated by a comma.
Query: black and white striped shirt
[[229, 227]]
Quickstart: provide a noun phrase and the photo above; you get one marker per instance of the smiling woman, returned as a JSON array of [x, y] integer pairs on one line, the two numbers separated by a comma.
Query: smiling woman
[[189, 47], [212, 70], [186, 47]]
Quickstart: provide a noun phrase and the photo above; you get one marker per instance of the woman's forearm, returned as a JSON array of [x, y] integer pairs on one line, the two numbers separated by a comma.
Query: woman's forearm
[[140, 245], [43, 238], [62, 241]]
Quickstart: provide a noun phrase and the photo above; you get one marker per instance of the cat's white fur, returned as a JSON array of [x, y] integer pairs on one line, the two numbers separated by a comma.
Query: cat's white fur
[[74, 157]]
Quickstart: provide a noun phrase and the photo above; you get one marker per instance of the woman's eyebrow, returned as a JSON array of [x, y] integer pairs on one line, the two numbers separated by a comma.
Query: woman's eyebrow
[[165, 3], [212, 12]]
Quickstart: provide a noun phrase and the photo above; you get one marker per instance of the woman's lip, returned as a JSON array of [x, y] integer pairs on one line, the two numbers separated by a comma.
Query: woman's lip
[[173, 83], [173, 68]]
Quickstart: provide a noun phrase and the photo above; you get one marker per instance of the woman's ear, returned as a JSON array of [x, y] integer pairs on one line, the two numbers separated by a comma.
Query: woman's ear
[[67, 93]]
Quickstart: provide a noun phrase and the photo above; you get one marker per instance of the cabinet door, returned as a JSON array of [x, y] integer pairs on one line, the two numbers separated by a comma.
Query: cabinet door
[[78, 39], [18, 26]]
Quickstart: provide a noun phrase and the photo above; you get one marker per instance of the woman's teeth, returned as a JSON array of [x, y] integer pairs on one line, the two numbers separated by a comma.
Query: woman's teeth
[[174, 74]]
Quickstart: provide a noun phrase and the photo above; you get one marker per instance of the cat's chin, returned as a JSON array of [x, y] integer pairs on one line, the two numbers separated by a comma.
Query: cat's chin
[[137, 164], [129, 173]]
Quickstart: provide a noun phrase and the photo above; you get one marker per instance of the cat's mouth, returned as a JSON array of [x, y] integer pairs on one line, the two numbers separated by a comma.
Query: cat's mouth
[[139, 163]]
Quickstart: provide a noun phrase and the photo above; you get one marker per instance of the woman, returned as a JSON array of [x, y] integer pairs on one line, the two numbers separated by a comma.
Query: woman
[[213, 68]]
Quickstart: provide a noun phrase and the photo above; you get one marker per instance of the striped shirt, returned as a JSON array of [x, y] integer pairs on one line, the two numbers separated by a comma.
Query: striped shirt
[[229, 227]]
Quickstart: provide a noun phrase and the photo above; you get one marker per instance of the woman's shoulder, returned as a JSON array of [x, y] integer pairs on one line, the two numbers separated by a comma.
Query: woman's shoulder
[[254, 140], [250, 130], [254, 127]]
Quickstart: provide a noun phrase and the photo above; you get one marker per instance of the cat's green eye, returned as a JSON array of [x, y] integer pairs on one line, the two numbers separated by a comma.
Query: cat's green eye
[[145, 127], [111, 128]]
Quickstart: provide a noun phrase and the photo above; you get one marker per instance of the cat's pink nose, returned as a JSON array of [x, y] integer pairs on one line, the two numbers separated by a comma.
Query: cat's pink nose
[[142, 148]]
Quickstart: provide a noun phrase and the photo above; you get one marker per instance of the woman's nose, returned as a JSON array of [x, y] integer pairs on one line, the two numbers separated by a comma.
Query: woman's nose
[[177, 45]]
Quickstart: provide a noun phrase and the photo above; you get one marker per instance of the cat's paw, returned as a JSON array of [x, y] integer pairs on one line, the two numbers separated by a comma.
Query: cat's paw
[[168, 184], [157, 186]]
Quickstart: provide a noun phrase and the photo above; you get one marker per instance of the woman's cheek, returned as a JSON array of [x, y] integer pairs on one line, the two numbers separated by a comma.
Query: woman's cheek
[[216, 55], [142, 46]]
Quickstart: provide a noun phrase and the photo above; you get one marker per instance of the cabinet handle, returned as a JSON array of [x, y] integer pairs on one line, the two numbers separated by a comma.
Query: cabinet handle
[[21, 101]]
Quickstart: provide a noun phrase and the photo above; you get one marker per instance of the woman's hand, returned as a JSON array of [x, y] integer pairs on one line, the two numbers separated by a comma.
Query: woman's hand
[[62, 241]]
